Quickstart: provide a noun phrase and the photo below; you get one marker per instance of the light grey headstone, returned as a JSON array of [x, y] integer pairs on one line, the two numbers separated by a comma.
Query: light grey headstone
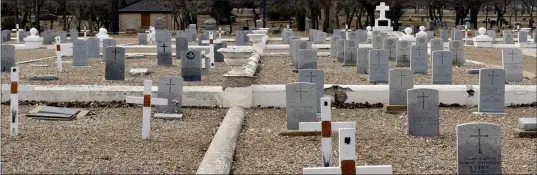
[[535, 36], [240, 38], [362, 35], [107, 43], [423, 41], [436, 45], [312, 33], [419, 61], [63, 36], [423, 112], [73, 33], [159, 24], [191, 65], [377, 42], [292, 49], [375, 33], [315, 76], [403, 54], [522, 36], [362, 61], [164, 54], [444, 35], [308, 23], [457, 47], [299, 45], [378, 66], [508, 37], [93, 47], [115, 63], [492, 34], [491, 90], [163, 36], [400, 81], [142, 38], [456, 35], [8, 57], [340, 45], [340, 33], [320, 38], [512, 64], [390, 44], [350, 52], [300, 104], [170, 88], [181, 43], [442, 67], [80, 53], [307, 59], [333, 45], [286, 35], [479, 148], [48, 37], [353, 36]]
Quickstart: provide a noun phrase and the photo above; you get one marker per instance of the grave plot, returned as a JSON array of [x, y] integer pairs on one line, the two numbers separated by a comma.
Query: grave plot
[[278, 70], [494, 56], [107, 141], [382, 139], [32, 54], [94, 74]]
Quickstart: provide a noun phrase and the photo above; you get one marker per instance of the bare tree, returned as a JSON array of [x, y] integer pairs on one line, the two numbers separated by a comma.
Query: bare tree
[[500, 6]]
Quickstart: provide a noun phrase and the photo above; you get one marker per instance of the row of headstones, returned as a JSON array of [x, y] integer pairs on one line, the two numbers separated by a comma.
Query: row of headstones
[[507, 36], [48, 36]]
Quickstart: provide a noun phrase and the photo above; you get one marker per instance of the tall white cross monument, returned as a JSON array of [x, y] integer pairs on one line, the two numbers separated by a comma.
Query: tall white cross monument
[[382, 23]]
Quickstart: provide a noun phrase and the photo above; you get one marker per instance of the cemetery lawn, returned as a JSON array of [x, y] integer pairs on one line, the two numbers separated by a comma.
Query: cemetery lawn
[[494, 56], [278, 70], [32, 54], [94, 75], [382, 139], [108, 141]]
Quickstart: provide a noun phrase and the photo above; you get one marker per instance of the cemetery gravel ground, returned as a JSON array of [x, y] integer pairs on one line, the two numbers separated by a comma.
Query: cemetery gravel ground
[[494, 56], [108, 141], [382, 139], [26, 55]]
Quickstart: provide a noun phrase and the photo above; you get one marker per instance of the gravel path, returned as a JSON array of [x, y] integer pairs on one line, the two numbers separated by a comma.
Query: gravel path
[[494, 56], [381, 139], [94, 75], [278, 70], [109, 142], [25, 55]]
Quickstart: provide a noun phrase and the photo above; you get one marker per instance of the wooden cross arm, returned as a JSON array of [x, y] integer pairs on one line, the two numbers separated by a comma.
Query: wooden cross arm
[[140, 100], [376, 169], [316, 126]]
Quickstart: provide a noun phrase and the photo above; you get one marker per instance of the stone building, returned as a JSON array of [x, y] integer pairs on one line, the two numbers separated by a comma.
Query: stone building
[[142, 14]]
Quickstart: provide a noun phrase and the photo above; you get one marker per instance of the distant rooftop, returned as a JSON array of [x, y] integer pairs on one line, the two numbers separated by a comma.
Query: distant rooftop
[[146, 6]]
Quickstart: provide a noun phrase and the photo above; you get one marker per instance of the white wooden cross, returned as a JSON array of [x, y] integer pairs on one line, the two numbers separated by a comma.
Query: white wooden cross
[[287, 26], [347, 159], [58, 55], [147, 101], [326, 127], [466, 32], [220, 33], [85, 31], [211, 49], [17, 32], [347, 31], [14, 88]]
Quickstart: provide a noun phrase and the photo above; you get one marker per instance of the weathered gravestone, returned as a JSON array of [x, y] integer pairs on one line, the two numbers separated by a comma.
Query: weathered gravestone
[[191, 65], [159, 24], [93, 47], [442, 67], [340, 53], [400, 81], [107, 43], [456, 35], [436, 45], [491, 91], [479, 148], [8, 57], [377, 42], [362, 35], [301, 104], [390, 44], [457, 48], [333, 45], [170, 88], [164, 54], [418, 59], [181, 44], [362, 63], [299, 45], [142, 38], [508, 37], [423, 112], [512, 64], [307, 59], [444, 35], [73, 33], [320, 38], [378, 66], [353, 36], [163, 36], [115, 63], [315, 76], [403, 54], [350, 52], [312, 33], [522, 36], [80, 53], [422, 41]]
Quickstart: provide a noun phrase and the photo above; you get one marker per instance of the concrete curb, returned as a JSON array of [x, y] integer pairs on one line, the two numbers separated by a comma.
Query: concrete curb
[[219, 157]]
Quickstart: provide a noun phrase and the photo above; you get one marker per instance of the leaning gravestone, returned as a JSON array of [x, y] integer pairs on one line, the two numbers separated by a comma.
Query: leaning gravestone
[[93, 47], [479, 148], [362, 63], [107, 43], [115, 63], [300, 104], [508, 37], [423, 112], [418, 58], [164, 54], [333, 45], [340, 53], [512, 64], [8, 57], [73, 33], [299, 45], [522, 36], [442, 67], [403, 54], [142, 38], [456, 35], [390, 44], [378, 66], [436, 45], [350, 52], [377, 42], [181, 44], [400, 81], [315, 76], [191, 65], [491, 91], [307, 59], [444, 35], [422, 41], [80, 53], [458, 52], [170, 88]]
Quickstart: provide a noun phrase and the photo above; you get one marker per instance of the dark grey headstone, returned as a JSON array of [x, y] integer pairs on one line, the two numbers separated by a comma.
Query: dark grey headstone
[[80, 53], [378, 66], [508, 37], [6, 36], [479, 148], [442, 67], [350, 52], [8, 57], [73, 33], [390, 44], [93, 47], [181, 44], [419, 61], [512, 64], [307, 59], [191, 65], [333, 45], [240, 38], [423, 112], [48, 37], [403, 54], [315, 76], [340, 53], [219, 57], [400, 81], [115, 63], [457, 47], [301, 104], [142, 38], [164, 54], [522, 36], [170, 88], [491, 90], [107, 43], [362, 62]]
